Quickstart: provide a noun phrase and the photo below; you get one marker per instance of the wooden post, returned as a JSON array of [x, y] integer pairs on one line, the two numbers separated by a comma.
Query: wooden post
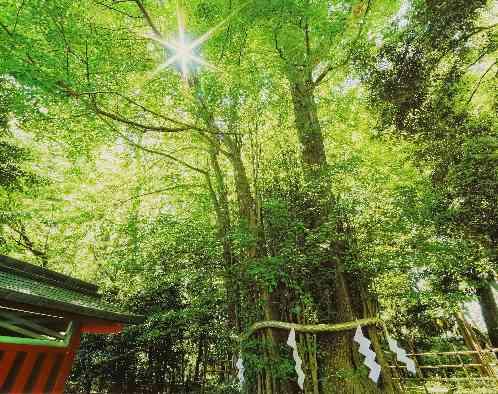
[[472, 342], [67, 362], [5, 363], [42, 378], [24, 373]]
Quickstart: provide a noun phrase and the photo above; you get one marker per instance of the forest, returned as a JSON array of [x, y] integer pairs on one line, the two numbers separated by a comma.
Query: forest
[[282, 188]]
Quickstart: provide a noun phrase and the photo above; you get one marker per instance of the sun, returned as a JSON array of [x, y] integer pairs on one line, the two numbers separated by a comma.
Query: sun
[[183, 52]]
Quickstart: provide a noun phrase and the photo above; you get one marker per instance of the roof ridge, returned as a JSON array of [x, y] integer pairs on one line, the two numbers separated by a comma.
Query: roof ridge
[[37, 273]]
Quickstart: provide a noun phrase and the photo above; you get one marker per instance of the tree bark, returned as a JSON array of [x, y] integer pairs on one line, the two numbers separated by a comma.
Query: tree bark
[[249, 222], [221, 207], [245, 197], [198, 358], [271, 306], [489, 311], [340, 354], [307, 125]]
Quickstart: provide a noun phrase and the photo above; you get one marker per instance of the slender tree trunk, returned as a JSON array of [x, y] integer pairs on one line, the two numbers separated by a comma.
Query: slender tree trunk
[[220, 202], [248, 218], [198, 360], [245, 199], [204, 368]]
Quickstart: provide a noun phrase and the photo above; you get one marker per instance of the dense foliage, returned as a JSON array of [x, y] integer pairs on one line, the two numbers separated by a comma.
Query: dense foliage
[[213, 163], [434, 89]]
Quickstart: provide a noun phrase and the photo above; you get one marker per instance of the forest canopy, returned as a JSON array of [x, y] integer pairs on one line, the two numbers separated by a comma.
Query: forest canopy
[[212, 164]]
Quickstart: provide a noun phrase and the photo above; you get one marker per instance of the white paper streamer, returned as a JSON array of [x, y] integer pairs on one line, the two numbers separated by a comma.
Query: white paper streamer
[[401, 355], [369, 354], [241, 369], [291, 341]]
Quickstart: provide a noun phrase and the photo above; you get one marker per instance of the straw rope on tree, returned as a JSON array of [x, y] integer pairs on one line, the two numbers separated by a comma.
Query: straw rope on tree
[[312, 328]]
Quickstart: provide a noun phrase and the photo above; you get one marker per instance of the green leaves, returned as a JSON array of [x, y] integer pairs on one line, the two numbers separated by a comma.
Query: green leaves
[[188, 200]]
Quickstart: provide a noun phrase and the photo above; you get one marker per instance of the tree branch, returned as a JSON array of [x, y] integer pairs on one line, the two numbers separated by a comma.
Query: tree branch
[[117, 10], [323, 74], [144, 127], [6, 29], [478, 30], [307, 40], [121, 119], [182, 126], [483, 53], [153, 151], [87, 63], [148, 18], [278, 49], [363, 19], [152, 112], [478, 84], [329, 68], [17, 16], [26, 243], [159, 191]]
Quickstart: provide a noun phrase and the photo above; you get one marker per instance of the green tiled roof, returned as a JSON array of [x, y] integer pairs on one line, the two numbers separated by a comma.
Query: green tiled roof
[[27, 284]]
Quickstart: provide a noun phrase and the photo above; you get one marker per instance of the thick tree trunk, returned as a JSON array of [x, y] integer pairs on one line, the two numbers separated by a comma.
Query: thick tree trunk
[[247, 205], [343, 361], [307, 125], [340, 359], [489, 311]]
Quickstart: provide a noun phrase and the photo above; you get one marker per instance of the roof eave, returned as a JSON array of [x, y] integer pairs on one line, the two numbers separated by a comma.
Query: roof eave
[[76, 311]]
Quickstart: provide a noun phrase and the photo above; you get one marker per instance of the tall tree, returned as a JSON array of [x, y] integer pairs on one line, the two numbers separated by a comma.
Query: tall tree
[[101, 68]]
